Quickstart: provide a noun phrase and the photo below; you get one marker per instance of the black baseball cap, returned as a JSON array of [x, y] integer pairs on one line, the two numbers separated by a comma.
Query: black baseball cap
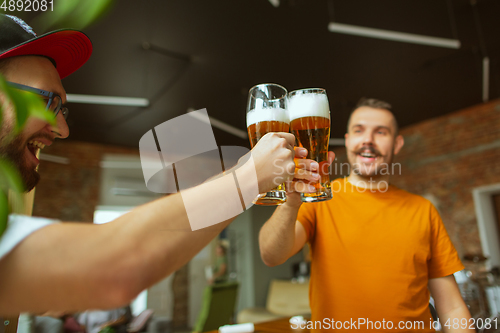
[[68, 49]]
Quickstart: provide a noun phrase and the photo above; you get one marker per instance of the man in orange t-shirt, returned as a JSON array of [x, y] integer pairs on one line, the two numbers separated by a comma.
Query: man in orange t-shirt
[[378, 252]]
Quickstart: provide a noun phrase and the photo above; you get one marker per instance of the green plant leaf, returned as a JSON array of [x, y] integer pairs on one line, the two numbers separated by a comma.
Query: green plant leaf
[[91, 11], [73, 14], [26, 104], [10, 181], [1, 107], [4, 211], [107, 329], [9, 177], [50, 19]]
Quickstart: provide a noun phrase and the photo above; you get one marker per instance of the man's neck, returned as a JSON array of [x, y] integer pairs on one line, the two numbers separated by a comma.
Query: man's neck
[[378, 182]]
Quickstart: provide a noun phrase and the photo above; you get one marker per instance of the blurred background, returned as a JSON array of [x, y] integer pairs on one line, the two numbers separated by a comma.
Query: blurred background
[[172, 57]]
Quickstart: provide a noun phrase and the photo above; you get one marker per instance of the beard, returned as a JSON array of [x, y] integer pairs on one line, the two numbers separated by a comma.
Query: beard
[[14, 151]]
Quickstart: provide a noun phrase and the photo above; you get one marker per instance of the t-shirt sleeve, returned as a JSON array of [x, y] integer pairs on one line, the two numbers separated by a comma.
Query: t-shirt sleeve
[[307, 217], [444, 259], [20, 227]]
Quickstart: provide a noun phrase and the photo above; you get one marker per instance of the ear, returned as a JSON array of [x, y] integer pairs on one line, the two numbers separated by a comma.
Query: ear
[[346, 136], [398, 144]]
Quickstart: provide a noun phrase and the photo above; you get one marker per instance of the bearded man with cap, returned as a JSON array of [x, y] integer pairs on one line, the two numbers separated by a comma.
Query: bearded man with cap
[[50, 266]]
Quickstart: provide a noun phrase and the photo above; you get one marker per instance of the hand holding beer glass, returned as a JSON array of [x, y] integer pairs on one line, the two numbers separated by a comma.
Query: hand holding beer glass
[[309, 114], [267, 112]]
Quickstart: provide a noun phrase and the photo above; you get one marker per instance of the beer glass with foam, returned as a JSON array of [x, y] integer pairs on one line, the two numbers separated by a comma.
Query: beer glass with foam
[[266, 112], [310, 123]]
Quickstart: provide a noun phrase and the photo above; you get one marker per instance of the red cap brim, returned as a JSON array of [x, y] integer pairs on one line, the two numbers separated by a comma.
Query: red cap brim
[[70, 49]]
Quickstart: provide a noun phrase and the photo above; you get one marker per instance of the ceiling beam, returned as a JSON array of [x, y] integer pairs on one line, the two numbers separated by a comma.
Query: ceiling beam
[[392, 35], [107, 100]]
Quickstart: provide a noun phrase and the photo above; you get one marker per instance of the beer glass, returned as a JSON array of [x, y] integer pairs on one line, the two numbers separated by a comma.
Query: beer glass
[[266, 112], [309, 114]]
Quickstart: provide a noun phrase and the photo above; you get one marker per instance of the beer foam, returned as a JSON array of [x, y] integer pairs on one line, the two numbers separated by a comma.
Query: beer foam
[[308, 105], [259, 115]]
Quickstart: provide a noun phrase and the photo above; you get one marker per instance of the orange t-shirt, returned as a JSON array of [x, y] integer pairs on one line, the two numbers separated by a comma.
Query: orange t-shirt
[[372, 256]]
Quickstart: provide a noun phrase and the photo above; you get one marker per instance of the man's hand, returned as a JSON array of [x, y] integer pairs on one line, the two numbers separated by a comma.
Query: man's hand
[[273, 157], [306, 172]]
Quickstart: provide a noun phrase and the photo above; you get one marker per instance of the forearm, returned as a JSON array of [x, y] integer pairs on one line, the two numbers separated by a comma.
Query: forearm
[[277, 236], [452, 311], [457, 320], [167, 244], [75, 267]]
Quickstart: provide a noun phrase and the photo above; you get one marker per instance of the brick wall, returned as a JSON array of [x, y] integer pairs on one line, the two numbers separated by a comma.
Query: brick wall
[[444, 159], [71, 192]]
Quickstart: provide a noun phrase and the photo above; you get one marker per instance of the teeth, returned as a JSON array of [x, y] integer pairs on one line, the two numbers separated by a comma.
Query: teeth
[[367, 155], [36, 144]]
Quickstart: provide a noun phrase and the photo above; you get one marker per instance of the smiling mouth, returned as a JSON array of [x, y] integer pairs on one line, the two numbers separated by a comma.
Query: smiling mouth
[[368, 155], [34, 146]]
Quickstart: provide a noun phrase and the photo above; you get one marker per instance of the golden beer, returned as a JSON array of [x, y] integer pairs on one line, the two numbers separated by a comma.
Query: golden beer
[[258, 130], [310, 123], [266, 112]]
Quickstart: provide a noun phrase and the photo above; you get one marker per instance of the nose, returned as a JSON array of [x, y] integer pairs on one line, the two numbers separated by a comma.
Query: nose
[[368, 138], [61, 128]]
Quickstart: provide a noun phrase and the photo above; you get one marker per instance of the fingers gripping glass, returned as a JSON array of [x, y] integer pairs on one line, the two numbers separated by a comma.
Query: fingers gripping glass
[[54, 102]]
